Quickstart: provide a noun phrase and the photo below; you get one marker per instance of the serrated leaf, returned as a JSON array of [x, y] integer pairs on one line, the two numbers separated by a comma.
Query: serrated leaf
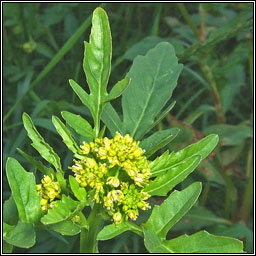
[[154, 74], [118, 89], [203, 242], [66, 135], [79, 124], [23, 235], [40, 145], [79, 192], [23, 187], [62, 210], [66, 228], [37, 164], [166, 182], [163, 217], [158, 140], [203, 148]]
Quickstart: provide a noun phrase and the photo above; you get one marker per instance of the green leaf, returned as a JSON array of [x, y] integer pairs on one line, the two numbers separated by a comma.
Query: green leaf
[[97, 62], [203, 242], [163, 217], [166, 182], [118, 89], [7, 248], [40, 145], [114, 230], [153, 242], [23, 187], [10, 212], [112, 119], [158, 140], [23, 235], [62, 210], [66, 135], [7, 228], [79, 192], [37, 164], [66, 228], [79, 124], [166, 161], [154, 74]]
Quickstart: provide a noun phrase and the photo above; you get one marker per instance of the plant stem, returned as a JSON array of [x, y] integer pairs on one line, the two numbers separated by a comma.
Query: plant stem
[[88, 238], [247, 201], [190, 22]]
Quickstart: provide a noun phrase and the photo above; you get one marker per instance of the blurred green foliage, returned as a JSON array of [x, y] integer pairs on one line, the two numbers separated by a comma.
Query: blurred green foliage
[[213, 41]]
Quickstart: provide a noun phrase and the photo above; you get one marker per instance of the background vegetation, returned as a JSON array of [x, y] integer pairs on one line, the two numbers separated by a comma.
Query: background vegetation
[[43, 48]]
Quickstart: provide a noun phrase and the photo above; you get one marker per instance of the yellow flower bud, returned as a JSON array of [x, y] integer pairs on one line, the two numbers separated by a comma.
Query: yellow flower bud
[[117, 217], [113, 181], [85, 148], [91, 163]]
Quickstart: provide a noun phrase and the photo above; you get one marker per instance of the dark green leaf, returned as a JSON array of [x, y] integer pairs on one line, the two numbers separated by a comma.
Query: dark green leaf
[[10, 212], [158, 140], [23, 187], [166, 182], [153, 79]]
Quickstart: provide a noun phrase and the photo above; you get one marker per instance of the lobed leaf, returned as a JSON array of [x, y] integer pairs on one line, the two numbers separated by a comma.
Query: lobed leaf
[[166, 182], [166, 161], [66, 135], [23, 187], [154, 74], [163, 217], [66, 228], [62, 210], [37, 164], [40, 145]]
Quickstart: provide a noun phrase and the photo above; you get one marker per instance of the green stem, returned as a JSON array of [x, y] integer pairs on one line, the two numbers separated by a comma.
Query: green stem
[[190, 22], [247, 201], [88, 237]]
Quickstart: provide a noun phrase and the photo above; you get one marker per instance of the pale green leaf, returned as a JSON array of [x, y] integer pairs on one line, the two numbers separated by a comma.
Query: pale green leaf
[[166, 182], [163, 217], [66, 228], [23, 187], [153, 79]]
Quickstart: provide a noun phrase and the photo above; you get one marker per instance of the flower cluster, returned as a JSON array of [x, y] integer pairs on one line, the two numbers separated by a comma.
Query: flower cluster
[[117, 171], [48, 190]]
